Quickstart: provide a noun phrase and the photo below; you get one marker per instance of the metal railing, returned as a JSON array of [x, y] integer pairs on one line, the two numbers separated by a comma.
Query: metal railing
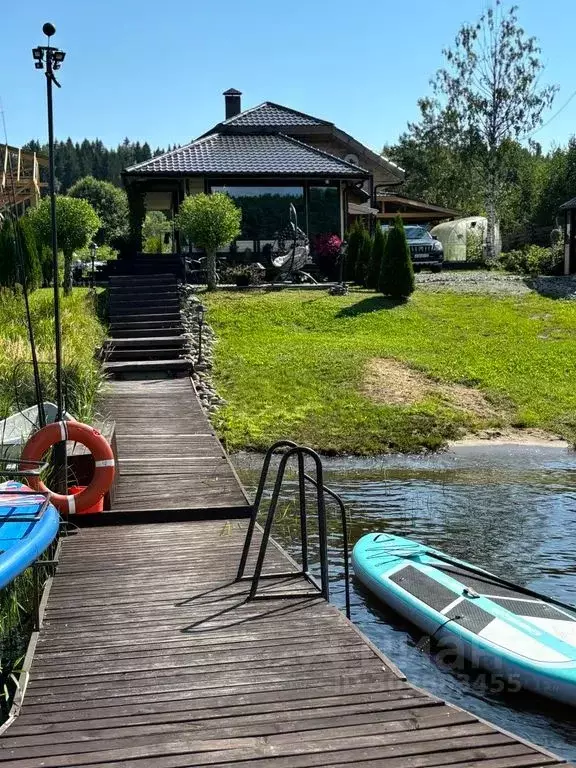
[[289, 450]]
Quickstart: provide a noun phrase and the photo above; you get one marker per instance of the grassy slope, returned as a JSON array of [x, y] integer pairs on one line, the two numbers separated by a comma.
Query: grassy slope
[[81, 334], [290, 365]]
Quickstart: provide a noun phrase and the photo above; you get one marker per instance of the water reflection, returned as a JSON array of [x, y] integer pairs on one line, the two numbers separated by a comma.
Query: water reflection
[[509, 509]]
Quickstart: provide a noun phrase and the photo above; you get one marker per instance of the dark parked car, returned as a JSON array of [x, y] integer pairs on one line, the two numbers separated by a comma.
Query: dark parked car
[[426, 250]]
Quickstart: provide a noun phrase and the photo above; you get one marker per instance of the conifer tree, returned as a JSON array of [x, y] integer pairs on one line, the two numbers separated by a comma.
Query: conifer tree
[[355, 240], [363, 261], [376, 257], [397, 273]]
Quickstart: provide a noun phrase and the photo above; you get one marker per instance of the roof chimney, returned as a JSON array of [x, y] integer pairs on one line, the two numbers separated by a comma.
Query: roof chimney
[[233, 102]]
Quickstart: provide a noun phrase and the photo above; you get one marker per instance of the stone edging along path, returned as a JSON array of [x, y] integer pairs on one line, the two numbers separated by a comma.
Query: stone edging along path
[[202, 376]]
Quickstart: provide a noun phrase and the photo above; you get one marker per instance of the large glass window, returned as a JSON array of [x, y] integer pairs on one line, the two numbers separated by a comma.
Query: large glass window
[[323, 211], [265, 210]]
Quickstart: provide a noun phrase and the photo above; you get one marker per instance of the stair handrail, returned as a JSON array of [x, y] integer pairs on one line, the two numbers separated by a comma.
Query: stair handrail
[[258, 501], [291, 449]]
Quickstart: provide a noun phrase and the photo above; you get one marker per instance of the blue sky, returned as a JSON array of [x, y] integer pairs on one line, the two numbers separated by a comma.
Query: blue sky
[[155, 71]]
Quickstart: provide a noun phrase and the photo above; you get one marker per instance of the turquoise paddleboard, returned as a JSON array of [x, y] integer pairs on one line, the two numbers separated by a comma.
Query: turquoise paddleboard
[[525, 639]]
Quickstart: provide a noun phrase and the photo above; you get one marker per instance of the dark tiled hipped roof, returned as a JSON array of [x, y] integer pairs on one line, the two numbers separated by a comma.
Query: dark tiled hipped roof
[[226, 154], [270, 115], [568, 205]]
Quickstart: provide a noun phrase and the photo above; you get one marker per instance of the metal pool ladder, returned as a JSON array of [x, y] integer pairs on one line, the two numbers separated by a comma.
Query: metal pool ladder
[[289, 450]]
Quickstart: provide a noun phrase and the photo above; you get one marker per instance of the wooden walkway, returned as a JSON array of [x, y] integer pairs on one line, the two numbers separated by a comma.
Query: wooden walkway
[[151, 657], [169, 456]]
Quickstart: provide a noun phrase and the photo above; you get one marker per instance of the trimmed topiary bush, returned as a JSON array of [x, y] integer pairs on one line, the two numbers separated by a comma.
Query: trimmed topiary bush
[[109, 202], [376, 257], [396, 274], [77, 223], [210, 222]]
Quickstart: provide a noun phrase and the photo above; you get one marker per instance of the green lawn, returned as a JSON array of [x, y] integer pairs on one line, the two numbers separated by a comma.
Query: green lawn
[[291, 364], [82, 332]]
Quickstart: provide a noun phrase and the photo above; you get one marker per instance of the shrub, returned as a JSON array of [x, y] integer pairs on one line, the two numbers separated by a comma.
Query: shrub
[[355, 240], [156, 226], [8, 276], [475, 244], [210, 222], [363, 260], [327, 250], [376, 257], [17, 253], [247, 274], [154, 244], [397, 273], [533, 260], [103, 253]]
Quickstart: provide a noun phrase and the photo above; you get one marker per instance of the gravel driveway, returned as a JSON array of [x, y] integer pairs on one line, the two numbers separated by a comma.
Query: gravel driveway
[[479, 281]]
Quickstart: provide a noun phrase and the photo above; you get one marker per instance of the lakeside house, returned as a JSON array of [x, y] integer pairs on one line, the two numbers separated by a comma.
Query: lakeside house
[[265, 158]]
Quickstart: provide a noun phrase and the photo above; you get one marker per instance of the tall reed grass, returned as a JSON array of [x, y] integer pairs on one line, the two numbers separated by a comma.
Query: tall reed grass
[[82, 333]]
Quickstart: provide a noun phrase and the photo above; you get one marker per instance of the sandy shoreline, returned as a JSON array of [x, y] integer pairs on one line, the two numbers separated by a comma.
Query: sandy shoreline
[[527, 438]]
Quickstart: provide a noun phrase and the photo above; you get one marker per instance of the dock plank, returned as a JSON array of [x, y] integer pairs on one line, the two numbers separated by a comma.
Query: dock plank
[[169, 456], [185, 672]]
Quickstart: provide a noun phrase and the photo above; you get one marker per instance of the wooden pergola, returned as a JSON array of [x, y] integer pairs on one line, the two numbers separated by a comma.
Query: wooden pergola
[[20, 179]]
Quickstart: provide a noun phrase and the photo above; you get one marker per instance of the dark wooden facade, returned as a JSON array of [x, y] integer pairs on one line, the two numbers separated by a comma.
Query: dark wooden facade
[[569, 225]]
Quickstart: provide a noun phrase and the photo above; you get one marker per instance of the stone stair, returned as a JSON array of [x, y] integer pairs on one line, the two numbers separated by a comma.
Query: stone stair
[[146, 331]]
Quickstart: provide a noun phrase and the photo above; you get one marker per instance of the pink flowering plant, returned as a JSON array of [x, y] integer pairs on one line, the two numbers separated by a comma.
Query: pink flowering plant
[[327, 245], [327, 250]]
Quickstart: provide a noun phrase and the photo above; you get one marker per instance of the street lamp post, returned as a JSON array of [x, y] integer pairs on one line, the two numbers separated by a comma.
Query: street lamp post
[[50, 59], [200, 313]]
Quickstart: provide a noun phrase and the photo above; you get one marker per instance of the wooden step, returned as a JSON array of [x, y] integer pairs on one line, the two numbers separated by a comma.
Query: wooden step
[[146, 333], [147, 269], [139, 325], [147, 292], [122, 306], [153, 299], [153, 317], [147, 287], [148, 311], [140, 280], [146, 341], [154, 353], [175, 365]]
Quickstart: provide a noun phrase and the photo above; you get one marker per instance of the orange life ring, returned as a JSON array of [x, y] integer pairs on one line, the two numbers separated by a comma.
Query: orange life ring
[[57, 432]]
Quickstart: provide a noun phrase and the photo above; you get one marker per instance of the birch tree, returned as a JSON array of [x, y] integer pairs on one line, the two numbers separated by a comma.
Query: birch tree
[[488, 94]]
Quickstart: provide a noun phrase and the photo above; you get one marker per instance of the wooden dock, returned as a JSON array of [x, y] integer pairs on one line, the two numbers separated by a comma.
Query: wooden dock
[[150, 654], [170, 459]]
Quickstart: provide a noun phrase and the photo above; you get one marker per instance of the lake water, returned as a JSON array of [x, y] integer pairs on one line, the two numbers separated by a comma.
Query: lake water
[[510, 509]]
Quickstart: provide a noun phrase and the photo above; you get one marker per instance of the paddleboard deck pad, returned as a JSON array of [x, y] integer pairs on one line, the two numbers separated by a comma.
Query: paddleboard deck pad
[[522, 638], [28, 525]]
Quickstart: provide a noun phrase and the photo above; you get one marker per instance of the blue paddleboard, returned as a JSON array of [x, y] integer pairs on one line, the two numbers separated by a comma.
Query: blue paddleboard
[[523, 638], [28, 525]]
